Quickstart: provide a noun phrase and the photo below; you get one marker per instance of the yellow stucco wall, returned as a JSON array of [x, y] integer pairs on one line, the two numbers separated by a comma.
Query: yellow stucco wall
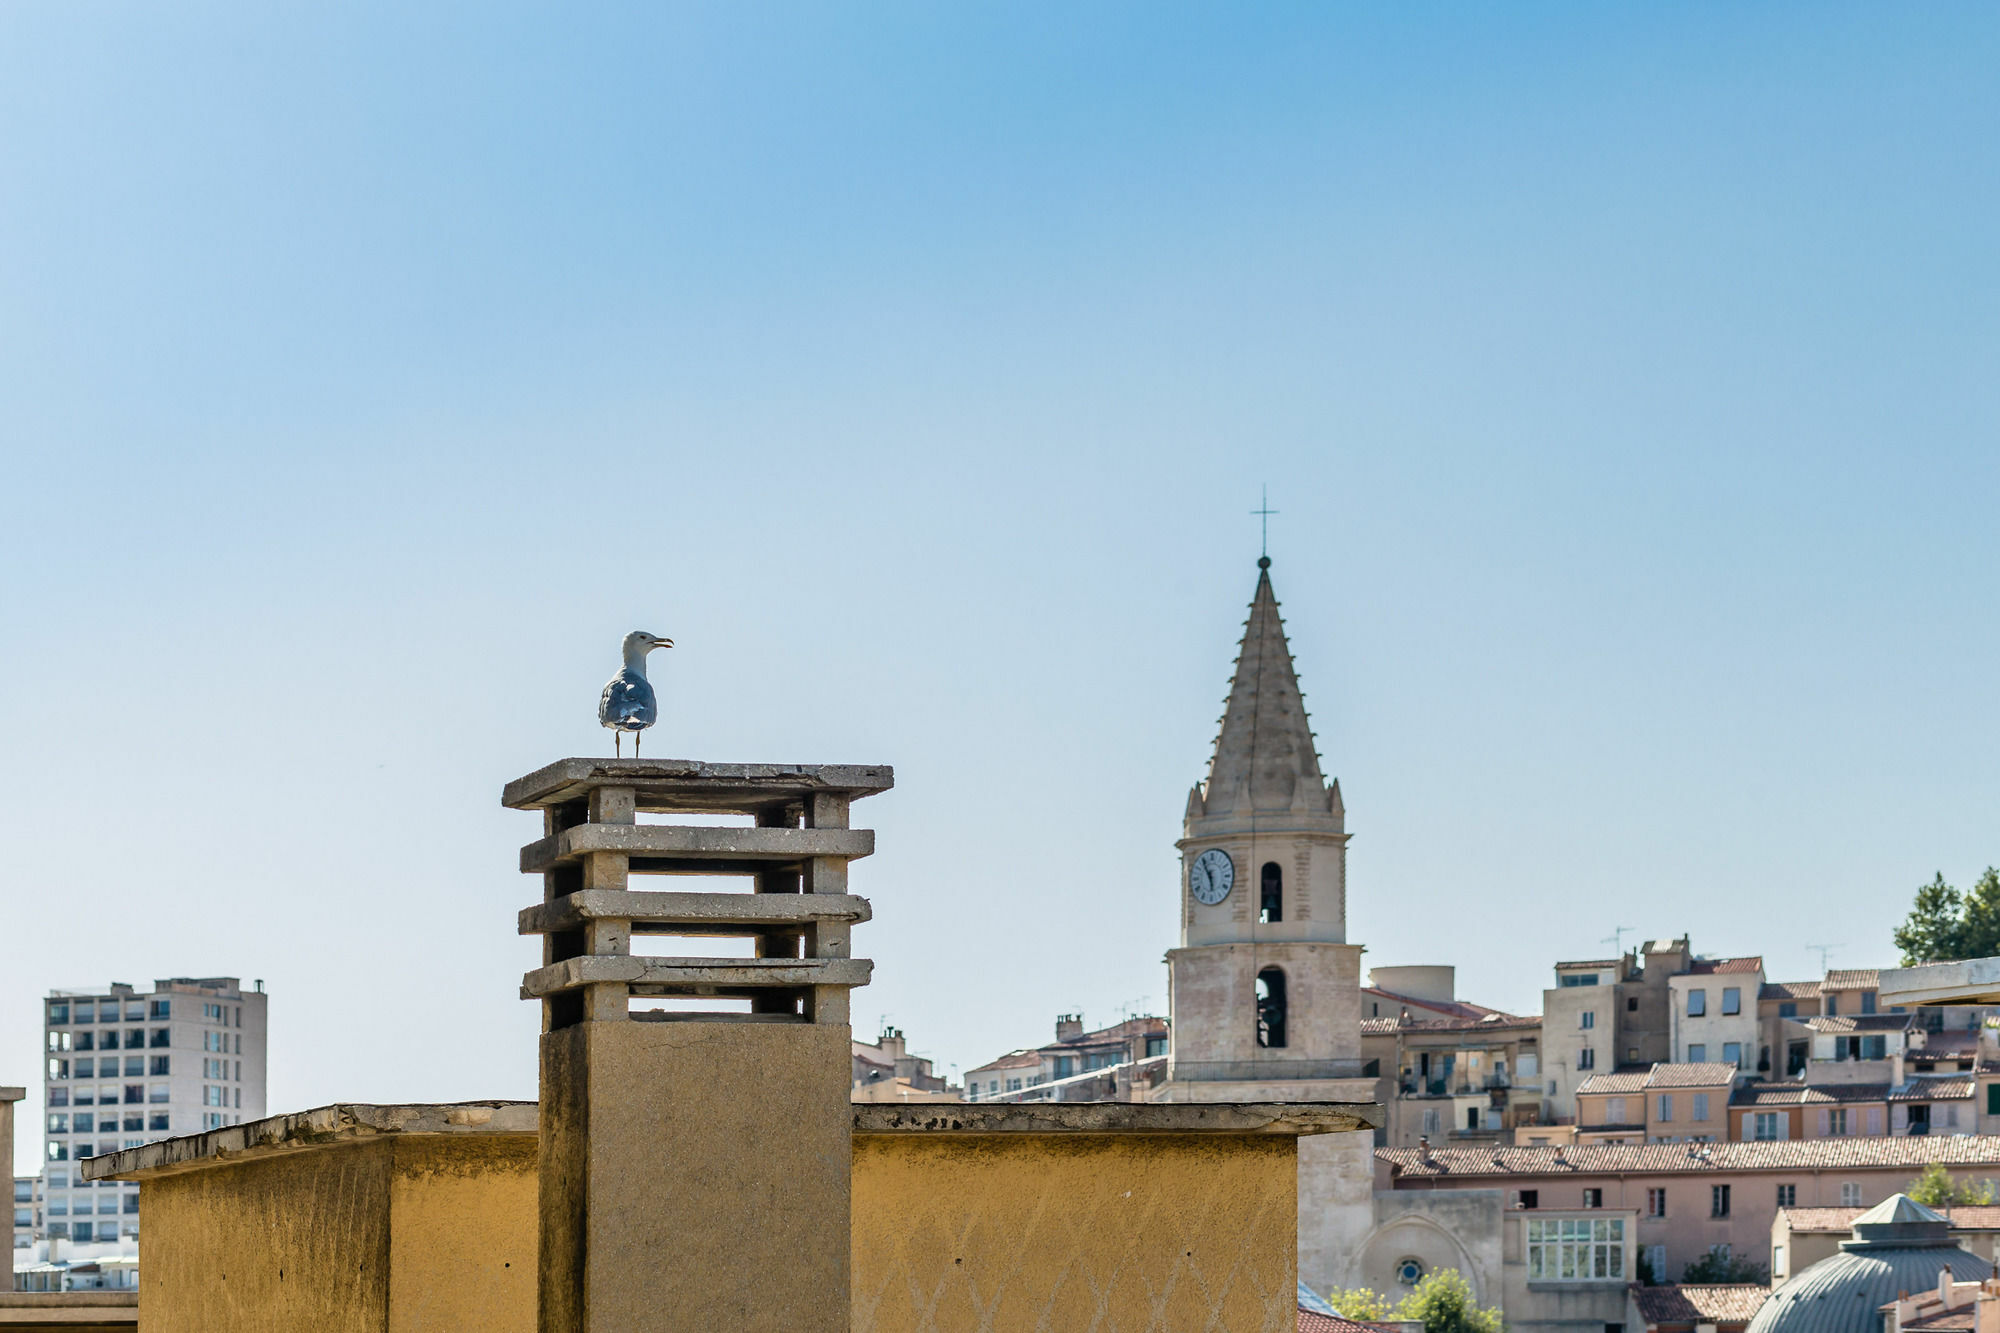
[[1007, 1233], [1000, 1233], [413, 1235]]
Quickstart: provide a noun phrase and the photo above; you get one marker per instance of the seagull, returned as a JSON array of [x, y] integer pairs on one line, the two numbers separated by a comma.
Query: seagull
[[628, 703]]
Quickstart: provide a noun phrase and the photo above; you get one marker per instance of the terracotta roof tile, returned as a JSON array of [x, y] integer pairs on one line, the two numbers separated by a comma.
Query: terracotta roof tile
[[1860, 1022], [1768, 1094], [1853, 978], [1824, 1094], [1624, 1081], [1695, 1303], [1311, 1321], [1713, 1074], [1966, 1217], [1674, 1158], [1789, 990], [1702, 967], [1934, 1089]]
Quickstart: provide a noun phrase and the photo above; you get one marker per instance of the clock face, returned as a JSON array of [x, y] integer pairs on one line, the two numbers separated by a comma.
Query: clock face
[[1211, 876]]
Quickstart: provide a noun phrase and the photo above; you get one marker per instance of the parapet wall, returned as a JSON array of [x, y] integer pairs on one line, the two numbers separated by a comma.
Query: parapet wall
[[372, 1219]]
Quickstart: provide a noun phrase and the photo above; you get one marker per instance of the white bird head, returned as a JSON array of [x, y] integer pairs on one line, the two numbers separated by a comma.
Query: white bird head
[[638, 643]]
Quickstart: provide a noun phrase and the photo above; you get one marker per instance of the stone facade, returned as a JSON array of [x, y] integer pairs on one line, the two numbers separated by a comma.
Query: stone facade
[[1264, 991]]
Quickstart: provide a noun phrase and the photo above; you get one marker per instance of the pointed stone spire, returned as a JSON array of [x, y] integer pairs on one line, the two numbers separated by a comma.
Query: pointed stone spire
[[1265, 760]]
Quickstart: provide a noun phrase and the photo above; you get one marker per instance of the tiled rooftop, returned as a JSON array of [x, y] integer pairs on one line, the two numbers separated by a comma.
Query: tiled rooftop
[[1617, 1082], [1853, 978], [1911, 1154], [1789, 990], [1968, 1217], [1934, 1089], [1713, 1074], [1691, 1303], [1859, 1022], [1702, 967]]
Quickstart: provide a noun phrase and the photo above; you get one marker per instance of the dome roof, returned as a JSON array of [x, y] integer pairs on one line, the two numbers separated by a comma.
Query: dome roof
[[1898, 1246]]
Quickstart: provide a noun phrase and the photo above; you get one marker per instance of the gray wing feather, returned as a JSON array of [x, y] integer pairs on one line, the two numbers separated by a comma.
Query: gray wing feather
[[628, 703]]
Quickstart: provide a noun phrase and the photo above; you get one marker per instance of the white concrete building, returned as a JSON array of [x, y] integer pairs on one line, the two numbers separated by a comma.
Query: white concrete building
[[126, 1067]]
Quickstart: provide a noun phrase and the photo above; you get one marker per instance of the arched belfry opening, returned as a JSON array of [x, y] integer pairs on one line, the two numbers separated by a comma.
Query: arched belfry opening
[[1271, 1008], [1273, 890]]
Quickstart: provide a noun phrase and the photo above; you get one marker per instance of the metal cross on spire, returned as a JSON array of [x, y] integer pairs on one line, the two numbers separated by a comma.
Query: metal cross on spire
[[1263, 514]]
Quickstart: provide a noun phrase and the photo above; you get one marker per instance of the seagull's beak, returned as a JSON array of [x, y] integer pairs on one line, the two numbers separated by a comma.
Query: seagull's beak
[[663, 643]]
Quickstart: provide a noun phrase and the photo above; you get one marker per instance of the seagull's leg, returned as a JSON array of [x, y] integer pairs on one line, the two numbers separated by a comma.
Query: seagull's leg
[[617, 742], [635, 743]]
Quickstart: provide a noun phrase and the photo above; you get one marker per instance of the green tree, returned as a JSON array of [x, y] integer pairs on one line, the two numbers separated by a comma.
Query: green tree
[[1979, 927], [1444, 1301], [1936, 1189], [1934, 931], [1360, 1303], [1718, 1265]]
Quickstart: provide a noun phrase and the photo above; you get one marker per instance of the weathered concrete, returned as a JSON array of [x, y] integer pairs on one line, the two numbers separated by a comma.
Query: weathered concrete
[[1074, 1231], [69, 1311], [8, 1096], [348, 1219], [722, 1140], [1973, 981], [691, 1171], [966, 1217], [690, 786]]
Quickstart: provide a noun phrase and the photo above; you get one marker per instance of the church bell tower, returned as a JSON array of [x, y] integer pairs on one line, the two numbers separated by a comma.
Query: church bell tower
[[1264, 990]]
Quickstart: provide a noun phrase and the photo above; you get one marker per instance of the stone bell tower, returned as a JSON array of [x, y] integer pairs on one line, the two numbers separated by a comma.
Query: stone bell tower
[[1265, 987], [1264, 990]]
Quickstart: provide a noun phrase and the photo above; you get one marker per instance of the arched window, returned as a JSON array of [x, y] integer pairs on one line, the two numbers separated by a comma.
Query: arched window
[[1271, 1008], [1274, 894]]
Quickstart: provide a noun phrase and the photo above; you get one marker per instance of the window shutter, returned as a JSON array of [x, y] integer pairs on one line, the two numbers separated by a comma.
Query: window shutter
[[1874, 1120], [1825, 1122], [1784, 1124], [1899, 1119]]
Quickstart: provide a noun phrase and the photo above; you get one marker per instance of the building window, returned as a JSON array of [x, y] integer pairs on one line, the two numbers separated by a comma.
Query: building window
[[1579, 978], [1700, 1111], [1732, 1053], [1631, 1004], [1850, 1194], [158, 1120], [1156, 1046], [1836, 1120], [1788, 1196], [1666, 1108], [1697, 1003], [1586, 1059], [160, 1037], [1765, 1126], [1698, 1053], [1272, 894], [1656, 1204], [1065, 1066], [1832, 1004], [1656, 1261], [1587, 1019], [163, 1008], [1271, 1008], [1409, 1272], [1732, 1000], [159, 1065], [1868, 1002], [1614, 1110], [1593, 1198], [1789, 1009], [1531, 1198], [1718, 1200], [1580, 1249]]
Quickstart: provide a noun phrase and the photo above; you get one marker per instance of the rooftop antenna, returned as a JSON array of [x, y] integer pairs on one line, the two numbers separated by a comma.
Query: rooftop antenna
[[1616, 939], [1823, 950], [1262, 513]]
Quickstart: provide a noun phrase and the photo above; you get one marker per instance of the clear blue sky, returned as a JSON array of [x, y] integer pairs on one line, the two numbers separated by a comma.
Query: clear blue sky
[[1625, 376]]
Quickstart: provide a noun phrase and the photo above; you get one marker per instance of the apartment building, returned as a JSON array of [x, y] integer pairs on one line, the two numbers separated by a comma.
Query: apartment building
[[126, 1067], [1446, 1068], [1664, 1204], [1715, 1003], [1664, 1103], [1120, 1063], [1604, 1013], [884, 1070]]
